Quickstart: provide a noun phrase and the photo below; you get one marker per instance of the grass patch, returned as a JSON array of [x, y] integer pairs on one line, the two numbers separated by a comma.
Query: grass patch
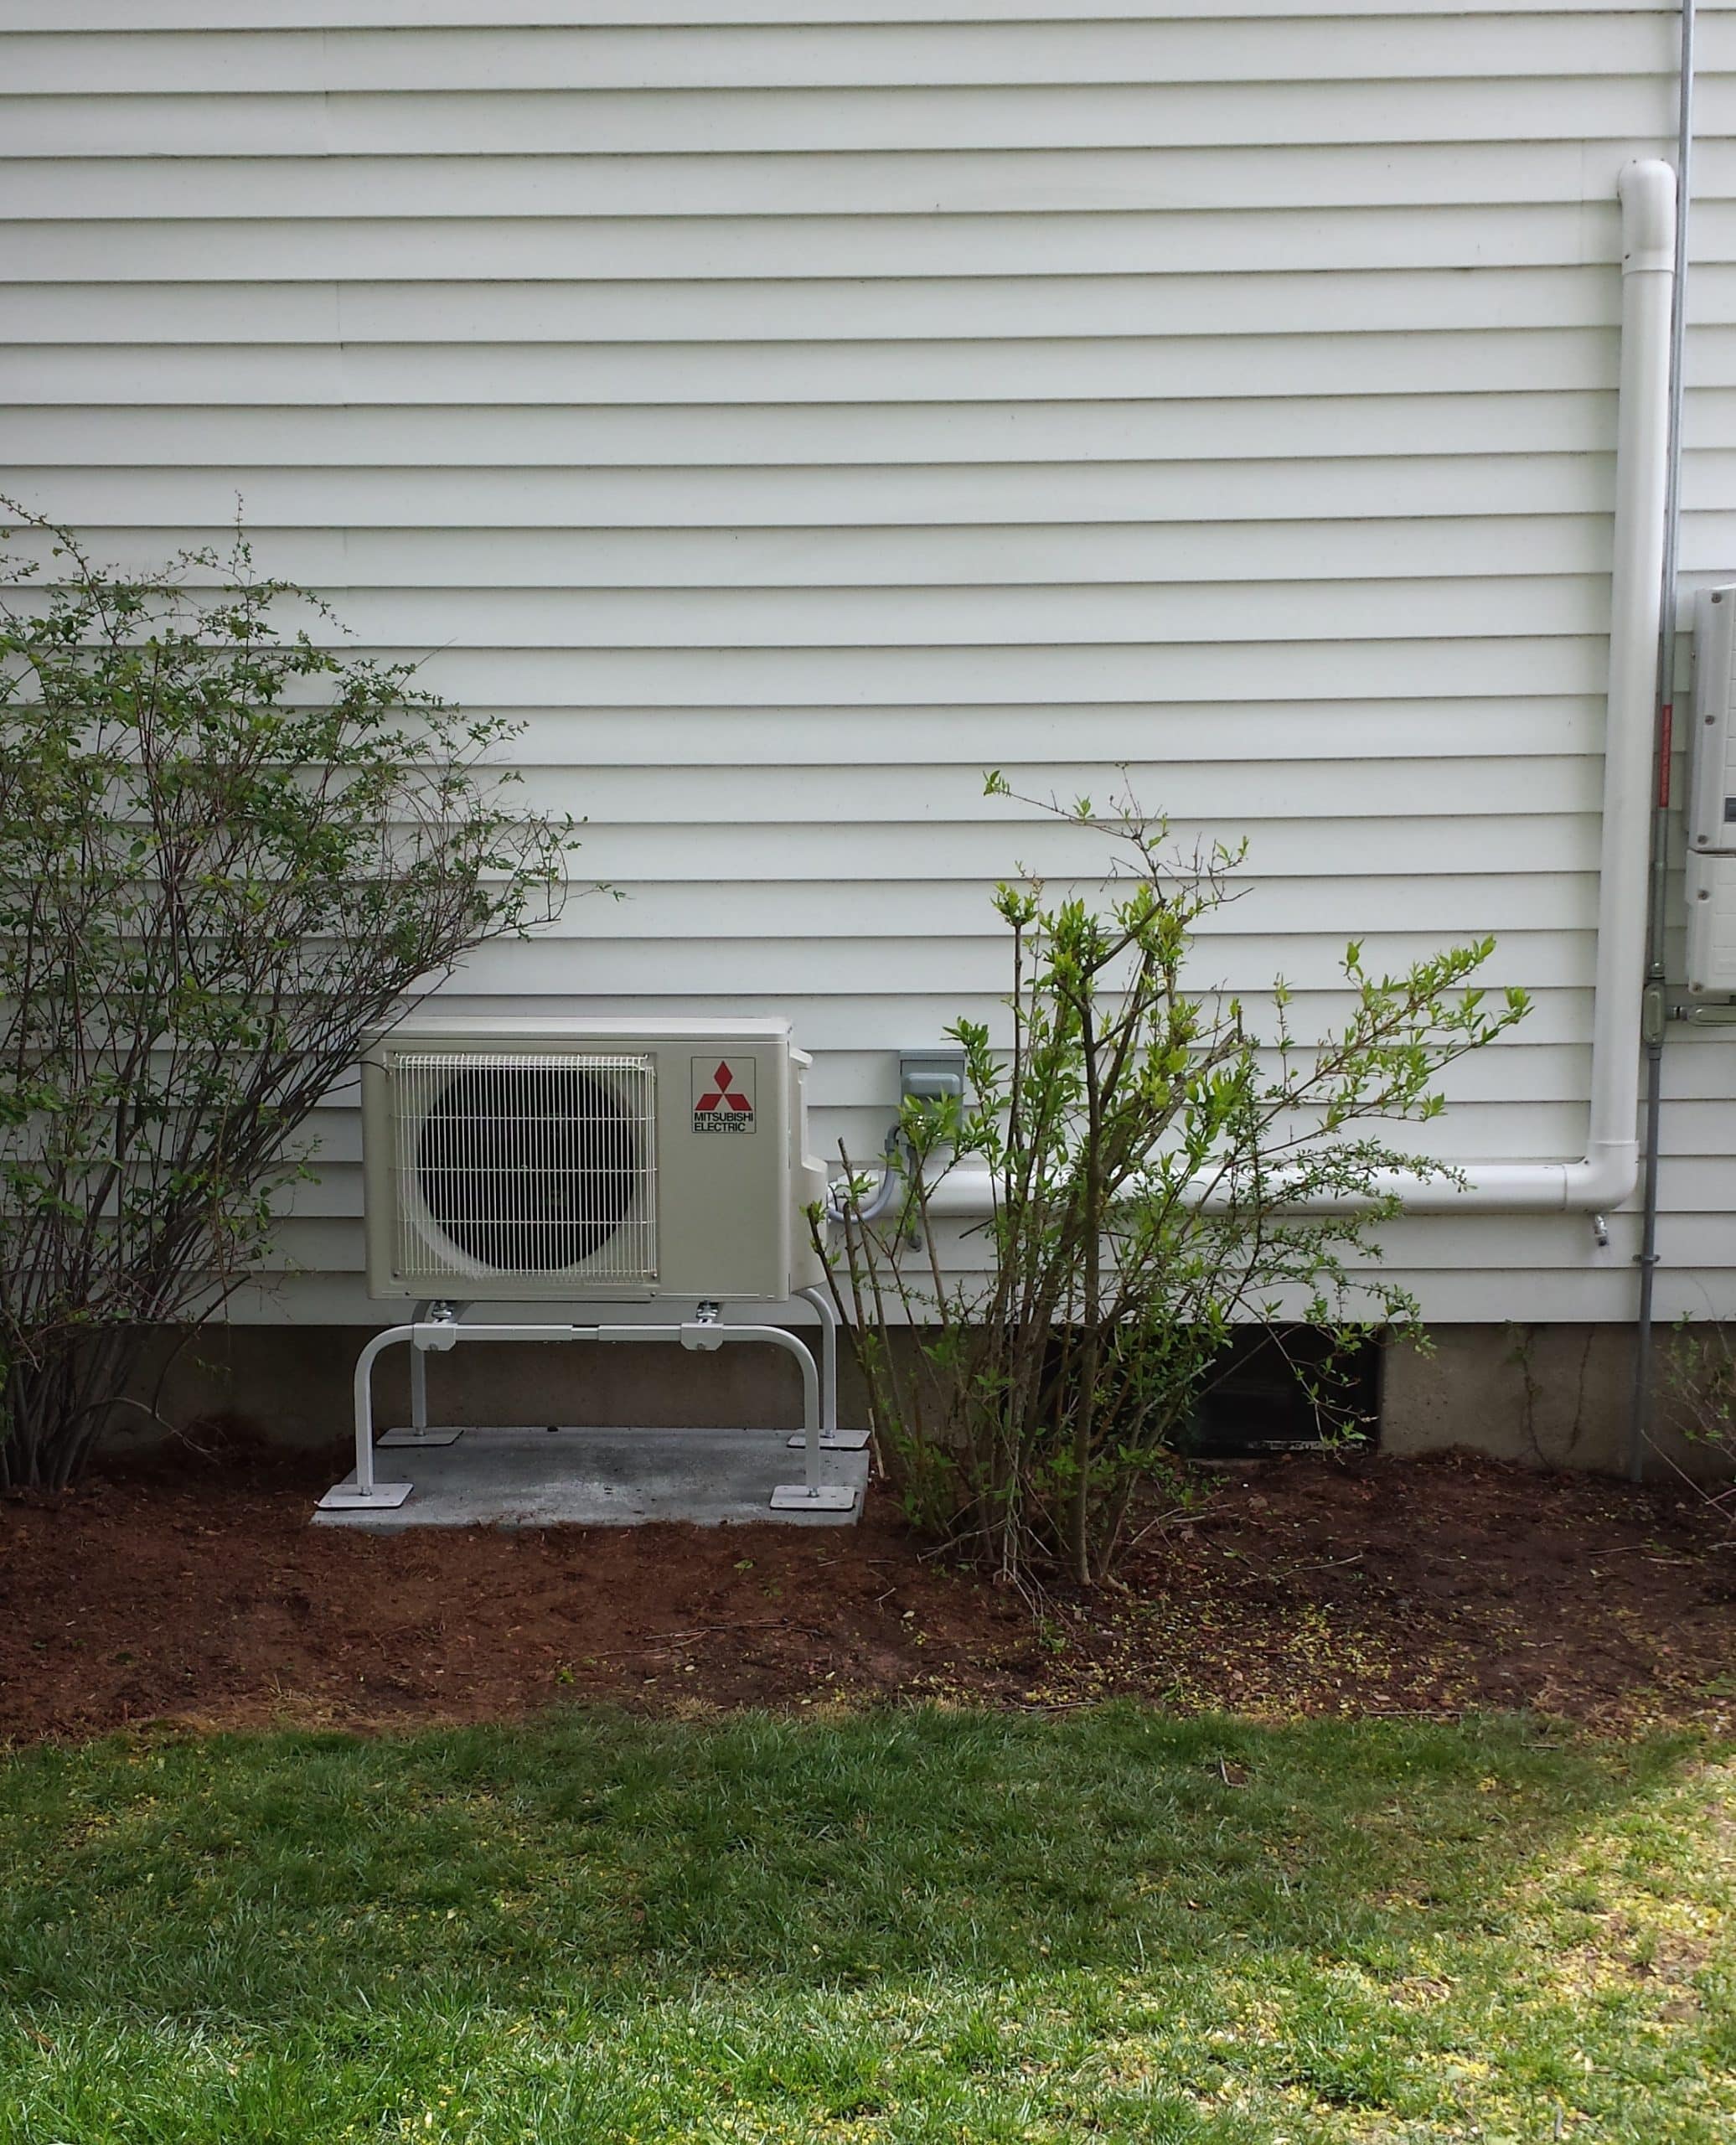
[[887, 1927]]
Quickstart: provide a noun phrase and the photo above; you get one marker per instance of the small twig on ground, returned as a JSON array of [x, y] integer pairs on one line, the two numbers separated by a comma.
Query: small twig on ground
[[1190, 1513], [703, 1631]]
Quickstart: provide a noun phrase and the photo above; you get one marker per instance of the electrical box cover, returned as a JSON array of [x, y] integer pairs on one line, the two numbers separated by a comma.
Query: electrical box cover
[[1712, 925], [1711, 871], [1712, 757]]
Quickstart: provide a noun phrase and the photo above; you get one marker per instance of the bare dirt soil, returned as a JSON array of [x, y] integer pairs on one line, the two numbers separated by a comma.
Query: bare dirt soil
[[194, 1593]]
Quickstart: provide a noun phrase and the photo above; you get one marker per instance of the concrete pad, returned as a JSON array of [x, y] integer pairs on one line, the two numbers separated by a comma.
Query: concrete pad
[[535, 1477]]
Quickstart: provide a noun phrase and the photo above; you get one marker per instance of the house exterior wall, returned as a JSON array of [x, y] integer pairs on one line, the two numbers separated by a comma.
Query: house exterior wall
[[786, 420]]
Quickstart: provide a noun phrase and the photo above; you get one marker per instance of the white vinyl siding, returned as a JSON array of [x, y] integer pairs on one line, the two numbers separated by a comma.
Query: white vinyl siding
[[786, 419]]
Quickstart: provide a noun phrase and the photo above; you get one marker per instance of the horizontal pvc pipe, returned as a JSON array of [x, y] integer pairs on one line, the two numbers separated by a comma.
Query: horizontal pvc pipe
[[1605, 1176]]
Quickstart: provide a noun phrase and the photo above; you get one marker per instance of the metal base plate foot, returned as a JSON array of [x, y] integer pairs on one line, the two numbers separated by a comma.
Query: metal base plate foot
[[385, 1496], [834, 1441], [797, 1497], [433, 1437]]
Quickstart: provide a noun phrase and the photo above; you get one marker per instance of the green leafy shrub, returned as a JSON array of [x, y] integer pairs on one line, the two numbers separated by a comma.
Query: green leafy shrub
[[1157, 1173], [225, 852], [1697, 1381]]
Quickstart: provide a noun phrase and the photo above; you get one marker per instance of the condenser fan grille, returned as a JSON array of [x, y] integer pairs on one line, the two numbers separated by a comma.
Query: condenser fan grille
[[536, 1163]]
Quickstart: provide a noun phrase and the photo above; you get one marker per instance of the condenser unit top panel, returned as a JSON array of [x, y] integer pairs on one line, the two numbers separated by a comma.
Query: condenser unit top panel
[[537, 1033]]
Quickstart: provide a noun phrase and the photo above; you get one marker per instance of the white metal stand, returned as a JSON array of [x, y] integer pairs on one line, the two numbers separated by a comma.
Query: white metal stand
[[363, 1492], [419, 1433], [831, 1437]]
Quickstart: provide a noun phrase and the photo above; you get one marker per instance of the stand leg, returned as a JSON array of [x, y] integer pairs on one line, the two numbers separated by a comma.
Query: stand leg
[[419, 1433], [419, 1379], [831, 1437], [811, 1494], [362, 1492]]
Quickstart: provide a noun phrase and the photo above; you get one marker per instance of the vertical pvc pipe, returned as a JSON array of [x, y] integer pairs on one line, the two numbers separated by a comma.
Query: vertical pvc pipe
[[1648, 277]]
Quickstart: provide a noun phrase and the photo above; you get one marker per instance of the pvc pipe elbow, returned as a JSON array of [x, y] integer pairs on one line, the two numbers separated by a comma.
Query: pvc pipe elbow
[[1647, 188]]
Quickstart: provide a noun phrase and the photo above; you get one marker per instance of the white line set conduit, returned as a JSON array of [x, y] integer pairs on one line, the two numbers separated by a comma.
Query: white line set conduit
[[1607, 1173]]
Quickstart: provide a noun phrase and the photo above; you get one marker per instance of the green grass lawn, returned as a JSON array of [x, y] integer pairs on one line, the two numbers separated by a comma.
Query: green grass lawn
[[894, 1926]]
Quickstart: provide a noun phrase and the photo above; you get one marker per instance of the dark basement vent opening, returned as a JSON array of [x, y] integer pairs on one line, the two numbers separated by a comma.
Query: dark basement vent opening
[[1259, 1406]]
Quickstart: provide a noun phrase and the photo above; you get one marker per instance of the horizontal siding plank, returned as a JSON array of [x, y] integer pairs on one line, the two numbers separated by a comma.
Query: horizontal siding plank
[[174, 470], [432, 177], [1611, 112], [366, 247], [915, 908], [1709, 480], [1235, 798], [1149, 369], [1697, 1185], [936, 617], [824, 1021], [1522, 452], [474, 558], [960, 970], [830, 847], [443, 311], [1698, 1068], [911, 185], [1697, 1126], [851, 58], [1037, 737], [435, 176], [87, 15], [1292, 670]]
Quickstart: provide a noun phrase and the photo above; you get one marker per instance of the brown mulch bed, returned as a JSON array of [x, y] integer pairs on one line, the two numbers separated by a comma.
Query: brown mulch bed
[[198, 1595]]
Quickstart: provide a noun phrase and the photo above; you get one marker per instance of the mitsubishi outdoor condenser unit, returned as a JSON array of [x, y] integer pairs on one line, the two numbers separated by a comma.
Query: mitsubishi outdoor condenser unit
[[587, 1161]]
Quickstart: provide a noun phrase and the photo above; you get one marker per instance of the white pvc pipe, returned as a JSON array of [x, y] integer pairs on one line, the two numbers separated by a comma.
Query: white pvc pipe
[[1605, 1176]]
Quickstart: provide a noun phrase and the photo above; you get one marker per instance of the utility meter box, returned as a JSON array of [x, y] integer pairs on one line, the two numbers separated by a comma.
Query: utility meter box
[[1712, 800]]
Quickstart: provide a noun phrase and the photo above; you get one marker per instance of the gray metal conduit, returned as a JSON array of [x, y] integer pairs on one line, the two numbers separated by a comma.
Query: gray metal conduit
[[839, 1207], [1655, 1013]]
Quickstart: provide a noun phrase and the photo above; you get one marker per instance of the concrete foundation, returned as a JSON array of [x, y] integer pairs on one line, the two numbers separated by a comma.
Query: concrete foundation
[[1546, 1395]]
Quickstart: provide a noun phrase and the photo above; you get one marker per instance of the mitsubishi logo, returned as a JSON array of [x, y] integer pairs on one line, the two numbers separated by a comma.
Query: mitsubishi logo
[[723, 1095]]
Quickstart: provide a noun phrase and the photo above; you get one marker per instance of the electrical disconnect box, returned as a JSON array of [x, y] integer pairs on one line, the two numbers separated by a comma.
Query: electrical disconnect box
[[1712, 800]]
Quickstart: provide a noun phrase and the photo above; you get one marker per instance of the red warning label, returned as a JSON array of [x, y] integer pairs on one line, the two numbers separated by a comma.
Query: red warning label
[[723, 1094]]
